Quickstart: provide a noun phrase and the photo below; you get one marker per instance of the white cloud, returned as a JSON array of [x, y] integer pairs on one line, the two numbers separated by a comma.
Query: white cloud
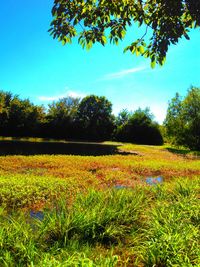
[[123, 73], [59, 96], [76, 94], [158, 110]]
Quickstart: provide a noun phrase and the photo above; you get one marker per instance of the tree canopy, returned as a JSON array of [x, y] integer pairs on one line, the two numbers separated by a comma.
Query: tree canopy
[[138, 127], [61, 117], [19, 117], [95, 118], [183, 119], [164, 22]]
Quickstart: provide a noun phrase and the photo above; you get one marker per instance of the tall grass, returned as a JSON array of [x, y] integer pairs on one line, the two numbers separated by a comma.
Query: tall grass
[[173, 231], [143, 226], [103, 217]]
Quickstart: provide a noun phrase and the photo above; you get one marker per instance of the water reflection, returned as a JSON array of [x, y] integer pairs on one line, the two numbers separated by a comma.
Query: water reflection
[[17, 147], [39, 215], [154, 180]]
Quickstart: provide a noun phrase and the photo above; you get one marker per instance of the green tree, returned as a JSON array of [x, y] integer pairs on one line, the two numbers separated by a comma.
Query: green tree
[[61, 117], [5, 99], [95, 118], [19, 117], [183, 119], [122, 117], [174, 123], [25, 118], [140, 128], [92, 21], [191, 115]]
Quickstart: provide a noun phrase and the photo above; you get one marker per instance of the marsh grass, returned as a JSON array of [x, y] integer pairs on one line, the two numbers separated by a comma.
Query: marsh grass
[[174, 233], [98, 211], [99, 217], [144, 226]]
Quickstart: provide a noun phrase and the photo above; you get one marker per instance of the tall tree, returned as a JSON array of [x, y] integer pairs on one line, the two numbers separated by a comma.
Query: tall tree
[[140, 128], [19, 117], [174, 121], [191, 117], [95, 118], [24, 117], [165, 21], [61, 117], [5, 99], [183, 119]]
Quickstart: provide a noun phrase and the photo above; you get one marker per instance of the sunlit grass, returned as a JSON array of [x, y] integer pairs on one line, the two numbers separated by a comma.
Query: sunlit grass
[[144, 226], [89, 220]]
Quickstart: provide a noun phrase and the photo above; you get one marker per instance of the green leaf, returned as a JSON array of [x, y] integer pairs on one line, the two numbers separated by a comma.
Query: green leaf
[[89, 45], [133, 50], [104, 39], [141, 49], [153, 64], [137, 51], [116, 41], [187, 36]]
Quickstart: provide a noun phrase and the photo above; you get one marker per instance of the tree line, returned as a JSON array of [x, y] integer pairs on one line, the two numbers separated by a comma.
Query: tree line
[[91, 119], [88, 119]]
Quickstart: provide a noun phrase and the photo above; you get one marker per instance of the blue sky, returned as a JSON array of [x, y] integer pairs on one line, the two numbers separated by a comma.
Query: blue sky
[[34, 65]]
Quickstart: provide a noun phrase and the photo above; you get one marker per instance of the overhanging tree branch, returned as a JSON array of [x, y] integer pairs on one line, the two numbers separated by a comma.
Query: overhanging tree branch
[[110, 20]]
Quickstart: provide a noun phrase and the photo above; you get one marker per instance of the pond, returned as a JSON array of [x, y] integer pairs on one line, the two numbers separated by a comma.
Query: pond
[[19, 147]]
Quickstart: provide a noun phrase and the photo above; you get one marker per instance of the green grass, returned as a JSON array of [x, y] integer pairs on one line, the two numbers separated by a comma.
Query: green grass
[[87, 221], [144, 226]]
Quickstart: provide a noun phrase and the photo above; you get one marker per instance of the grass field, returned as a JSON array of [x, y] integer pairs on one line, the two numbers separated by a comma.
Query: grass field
[[99, 211]]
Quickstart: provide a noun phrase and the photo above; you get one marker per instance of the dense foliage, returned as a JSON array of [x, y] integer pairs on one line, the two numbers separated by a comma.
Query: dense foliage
[[183, 119], [61, 118], [95, 118], [72, 118], [91, 118], [138, 128], [163, 23], [19, 117]]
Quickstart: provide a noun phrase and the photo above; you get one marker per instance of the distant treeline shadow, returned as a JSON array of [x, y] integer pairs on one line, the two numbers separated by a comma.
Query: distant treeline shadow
[[16, 147]]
